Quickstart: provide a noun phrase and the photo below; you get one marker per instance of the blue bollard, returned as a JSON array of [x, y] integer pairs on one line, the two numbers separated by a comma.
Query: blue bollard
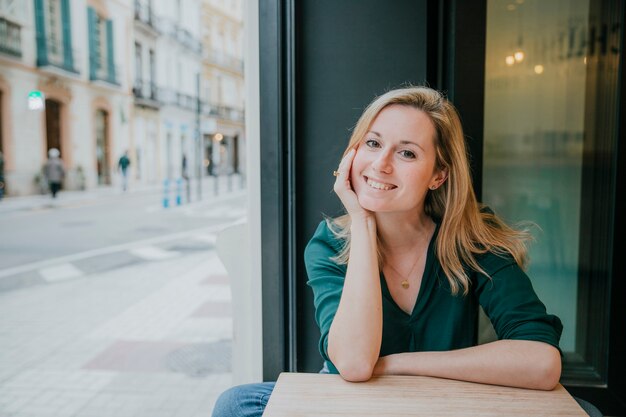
[[179, 189], [166, 199]]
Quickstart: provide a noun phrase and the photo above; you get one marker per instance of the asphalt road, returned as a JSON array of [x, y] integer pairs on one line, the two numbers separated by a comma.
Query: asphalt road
[[80, 228]]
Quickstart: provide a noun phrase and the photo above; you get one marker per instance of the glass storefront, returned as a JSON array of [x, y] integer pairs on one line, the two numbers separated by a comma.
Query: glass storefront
[[533, 142]]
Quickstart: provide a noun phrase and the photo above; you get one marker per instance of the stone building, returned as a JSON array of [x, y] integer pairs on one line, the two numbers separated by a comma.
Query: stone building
[[75, 54]]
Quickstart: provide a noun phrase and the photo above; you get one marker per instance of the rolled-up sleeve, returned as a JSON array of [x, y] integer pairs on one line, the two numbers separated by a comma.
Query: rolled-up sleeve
[[326, 279], [512, 305]]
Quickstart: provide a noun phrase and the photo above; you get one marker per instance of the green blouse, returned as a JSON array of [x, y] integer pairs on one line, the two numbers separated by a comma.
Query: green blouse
[[439, 321]]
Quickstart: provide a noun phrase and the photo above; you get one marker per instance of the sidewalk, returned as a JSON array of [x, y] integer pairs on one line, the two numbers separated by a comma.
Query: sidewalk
[[211, 187], [150, 338], [140, 341]]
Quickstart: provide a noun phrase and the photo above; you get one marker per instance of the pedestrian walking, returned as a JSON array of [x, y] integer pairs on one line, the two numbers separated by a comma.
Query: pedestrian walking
[[53, 171], [184, 168], [122, 166]]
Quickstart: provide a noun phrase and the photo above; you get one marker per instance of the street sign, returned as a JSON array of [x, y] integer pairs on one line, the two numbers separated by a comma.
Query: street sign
[[36, 100]]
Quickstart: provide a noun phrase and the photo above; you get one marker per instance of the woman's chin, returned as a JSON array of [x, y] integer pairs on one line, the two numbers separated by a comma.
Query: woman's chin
[[373, 205]]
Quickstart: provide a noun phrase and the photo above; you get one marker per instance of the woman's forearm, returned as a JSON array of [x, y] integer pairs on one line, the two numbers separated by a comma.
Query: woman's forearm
[[355, 335], [515, 363]]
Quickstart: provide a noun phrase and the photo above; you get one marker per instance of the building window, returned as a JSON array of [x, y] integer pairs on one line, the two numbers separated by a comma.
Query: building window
[[54, 34], [138, 70], [152, 80], [53, 29], [101, 52], [10, 37]]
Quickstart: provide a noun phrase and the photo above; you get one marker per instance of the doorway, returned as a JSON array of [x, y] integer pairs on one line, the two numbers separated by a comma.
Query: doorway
[[53, 125], [102, 148]]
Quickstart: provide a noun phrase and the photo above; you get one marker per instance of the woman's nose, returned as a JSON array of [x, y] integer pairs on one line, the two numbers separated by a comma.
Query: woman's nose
[[383, 162]]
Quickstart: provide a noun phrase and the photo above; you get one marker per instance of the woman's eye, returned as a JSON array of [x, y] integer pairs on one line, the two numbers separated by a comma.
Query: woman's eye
[[407, 154], [372, 143]]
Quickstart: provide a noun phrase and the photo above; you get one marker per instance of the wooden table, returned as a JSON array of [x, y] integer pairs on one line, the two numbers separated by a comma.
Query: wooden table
[[323, 395]]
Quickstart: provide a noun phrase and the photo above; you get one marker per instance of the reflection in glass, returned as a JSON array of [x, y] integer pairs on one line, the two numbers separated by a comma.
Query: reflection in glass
[[534, 115]]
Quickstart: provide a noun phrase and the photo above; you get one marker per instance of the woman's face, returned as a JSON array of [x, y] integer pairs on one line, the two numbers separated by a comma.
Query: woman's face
[[394, 165]]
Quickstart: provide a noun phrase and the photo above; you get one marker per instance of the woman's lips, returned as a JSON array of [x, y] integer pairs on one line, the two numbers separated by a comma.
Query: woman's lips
[[378, 184]]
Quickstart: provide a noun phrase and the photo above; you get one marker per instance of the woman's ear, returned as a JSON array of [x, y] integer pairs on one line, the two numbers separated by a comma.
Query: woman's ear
[[439, 178]]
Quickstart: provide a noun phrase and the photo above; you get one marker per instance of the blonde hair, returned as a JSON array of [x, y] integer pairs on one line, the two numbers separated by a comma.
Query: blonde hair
[[466, 230]]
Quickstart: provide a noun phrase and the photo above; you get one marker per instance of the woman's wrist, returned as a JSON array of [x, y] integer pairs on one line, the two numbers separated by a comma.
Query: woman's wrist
[[363, 223]]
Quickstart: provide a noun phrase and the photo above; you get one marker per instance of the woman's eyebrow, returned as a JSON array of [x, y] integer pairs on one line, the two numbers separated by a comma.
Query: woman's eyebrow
[[402, 142], [408, 142]]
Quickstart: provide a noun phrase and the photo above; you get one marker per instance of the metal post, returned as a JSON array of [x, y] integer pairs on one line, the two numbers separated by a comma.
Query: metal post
[[198, 137]]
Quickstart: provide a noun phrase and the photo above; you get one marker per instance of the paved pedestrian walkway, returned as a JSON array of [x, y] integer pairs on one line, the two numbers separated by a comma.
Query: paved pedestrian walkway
[[210, 187], [150, 338]]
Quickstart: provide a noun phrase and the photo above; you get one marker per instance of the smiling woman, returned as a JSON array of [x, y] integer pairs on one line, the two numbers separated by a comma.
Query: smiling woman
[[398, 280]]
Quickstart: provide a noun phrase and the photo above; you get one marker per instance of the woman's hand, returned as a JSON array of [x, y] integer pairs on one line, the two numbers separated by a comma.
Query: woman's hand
[[344, 190]]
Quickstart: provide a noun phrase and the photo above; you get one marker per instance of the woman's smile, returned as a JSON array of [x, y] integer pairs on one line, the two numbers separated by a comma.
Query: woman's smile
[[378, 184]]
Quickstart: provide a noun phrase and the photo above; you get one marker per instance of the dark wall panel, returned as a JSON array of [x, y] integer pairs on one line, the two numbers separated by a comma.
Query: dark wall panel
[[347, 52]]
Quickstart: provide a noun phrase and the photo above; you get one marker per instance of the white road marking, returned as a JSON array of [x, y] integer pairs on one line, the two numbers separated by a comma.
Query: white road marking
[[152, 253], [206, 238], [60, 272], [110, 249]]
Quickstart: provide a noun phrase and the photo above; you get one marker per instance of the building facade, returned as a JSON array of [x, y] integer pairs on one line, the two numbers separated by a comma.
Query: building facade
[[223, 89], [74, 53], [120, 76]]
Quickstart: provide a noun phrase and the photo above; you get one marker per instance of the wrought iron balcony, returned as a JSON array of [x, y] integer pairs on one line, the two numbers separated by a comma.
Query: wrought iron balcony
[[212, 56], [103, 71], [182, 36], [53, 53], [146, 94], [223, 112], [145, 16], [10, 38], [178, 99]]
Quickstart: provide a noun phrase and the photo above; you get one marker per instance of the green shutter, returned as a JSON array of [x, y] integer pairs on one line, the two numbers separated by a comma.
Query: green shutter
[[110, 50], [68, 55], [42, 48], [91, 32]]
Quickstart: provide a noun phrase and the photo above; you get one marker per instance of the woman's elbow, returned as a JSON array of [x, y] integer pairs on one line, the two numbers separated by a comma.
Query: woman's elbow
[[549, 371], [355, 371]]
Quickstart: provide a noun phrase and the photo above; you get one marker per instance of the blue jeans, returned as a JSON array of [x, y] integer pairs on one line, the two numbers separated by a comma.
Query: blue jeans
[[244, 400], [247, 400]]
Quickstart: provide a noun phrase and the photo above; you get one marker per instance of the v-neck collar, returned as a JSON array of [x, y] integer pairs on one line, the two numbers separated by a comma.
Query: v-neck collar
[[426, 280]]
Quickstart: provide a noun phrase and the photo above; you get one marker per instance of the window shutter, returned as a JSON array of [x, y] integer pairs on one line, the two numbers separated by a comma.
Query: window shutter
[[42, 48], [68, 54], [93, 53], [110, 50]]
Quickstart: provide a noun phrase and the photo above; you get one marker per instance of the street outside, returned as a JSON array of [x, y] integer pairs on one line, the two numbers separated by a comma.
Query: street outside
[[112, 305]]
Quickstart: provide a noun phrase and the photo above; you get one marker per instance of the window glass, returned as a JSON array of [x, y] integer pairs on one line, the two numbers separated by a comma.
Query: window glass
[[533, 144]]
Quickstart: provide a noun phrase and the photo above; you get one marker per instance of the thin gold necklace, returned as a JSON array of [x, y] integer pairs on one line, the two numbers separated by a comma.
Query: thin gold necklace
[[405, 282]]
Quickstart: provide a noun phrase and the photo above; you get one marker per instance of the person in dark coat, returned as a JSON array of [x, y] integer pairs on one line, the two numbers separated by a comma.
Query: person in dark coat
[[54, 171]]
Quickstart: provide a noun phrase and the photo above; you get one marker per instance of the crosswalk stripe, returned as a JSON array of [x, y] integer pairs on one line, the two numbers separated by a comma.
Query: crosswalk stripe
[[152, 253], [60, 272], [206, 238]]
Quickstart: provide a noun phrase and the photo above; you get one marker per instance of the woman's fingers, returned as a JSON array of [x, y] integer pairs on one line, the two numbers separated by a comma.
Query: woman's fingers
[[346, 164], [343, 173], [342, 186]]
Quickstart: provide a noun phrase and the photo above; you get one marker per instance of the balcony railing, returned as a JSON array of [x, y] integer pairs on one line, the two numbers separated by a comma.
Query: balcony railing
[[189, 102], [222, 59], [53, 53], [145, 15], [10, 38], [223, 112], [103, 72], [176, 98], [146, 94], [182, 36]]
